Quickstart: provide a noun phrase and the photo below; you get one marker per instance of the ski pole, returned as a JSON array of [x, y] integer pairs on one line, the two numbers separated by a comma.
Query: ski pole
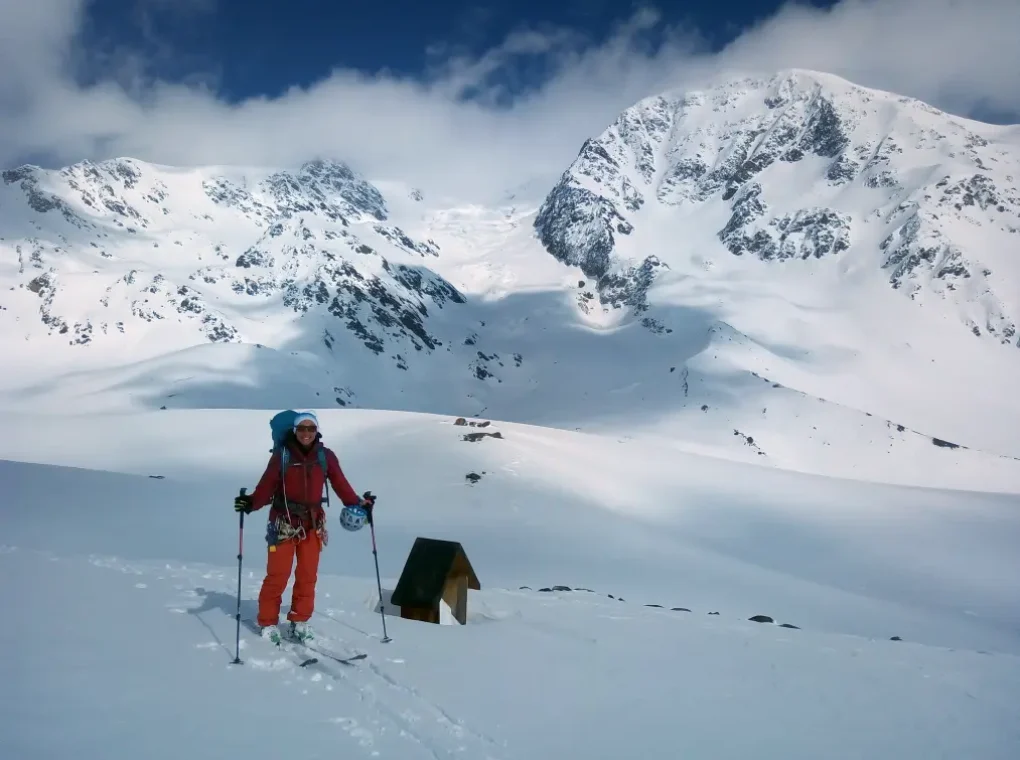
[[375, 554], [240, 554]]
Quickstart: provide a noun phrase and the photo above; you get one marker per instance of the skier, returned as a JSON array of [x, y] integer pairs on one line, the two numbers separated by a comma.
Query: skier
[[297, 522]]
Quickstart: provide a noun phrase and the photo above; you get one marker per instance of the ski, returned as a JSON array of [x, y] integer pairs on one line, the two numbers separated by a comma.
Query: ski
[[342, 659], [308, 661], [291, 643], [303, 662]]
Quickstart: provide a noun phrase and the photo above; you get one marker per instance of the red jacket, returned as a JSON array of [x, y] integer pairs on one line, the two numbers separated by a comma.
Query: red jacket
[[303, 483]]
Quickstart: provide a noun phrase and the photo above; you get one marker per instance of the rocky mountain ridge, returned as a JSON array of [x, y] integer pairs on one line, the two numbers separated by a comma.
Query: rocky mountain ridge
[[808, 167], [287, 233]]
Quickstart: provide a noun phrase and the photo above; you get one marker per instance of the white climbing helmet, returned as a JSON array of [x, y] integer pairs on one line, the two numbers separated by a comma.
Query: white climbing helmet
[[353, 517]]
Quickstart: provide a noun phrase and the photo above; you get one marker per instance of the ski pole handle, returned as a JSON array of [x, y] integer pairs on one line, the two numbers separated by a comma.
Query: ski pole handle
[[243, 492]]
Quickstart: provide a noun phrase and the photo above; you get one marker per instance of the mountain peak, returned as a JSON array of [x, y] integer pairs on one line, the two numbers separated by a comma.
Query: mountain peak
[[799, 166]]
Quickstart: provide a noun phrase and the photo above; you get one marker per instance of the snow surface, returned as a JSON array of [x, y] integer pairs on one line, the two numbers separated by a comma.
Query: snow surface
[[120, 557], [703, 401]]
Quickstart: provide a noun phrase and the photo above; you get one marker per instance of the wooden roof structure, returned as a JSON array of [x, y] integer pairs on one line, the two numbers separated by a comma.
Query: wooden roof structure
[[431, 567]]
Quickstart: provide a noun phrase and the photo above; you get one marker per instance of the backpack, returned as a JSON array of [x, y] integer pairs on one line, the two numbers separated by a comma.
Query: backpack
[[281, 424]]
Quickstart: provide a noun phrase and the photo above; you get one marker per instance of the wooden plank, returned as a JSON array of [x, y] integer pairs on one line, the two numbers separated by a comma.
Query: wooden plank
[[455, 592]]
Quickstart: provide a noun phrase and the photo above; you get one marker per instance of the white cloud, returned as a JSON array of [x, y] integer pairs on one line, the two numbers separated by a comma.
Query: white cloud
[[957, 55]]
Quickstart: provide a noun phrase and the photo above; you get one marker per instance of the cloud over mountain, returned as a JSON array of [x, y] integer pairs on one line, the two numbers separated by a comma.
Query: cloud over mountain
[[460, 127]]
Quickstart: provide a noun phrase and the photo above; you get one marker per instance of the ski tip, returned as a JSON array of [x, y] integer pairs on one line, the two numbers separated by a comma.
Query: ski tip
[[310, 661]]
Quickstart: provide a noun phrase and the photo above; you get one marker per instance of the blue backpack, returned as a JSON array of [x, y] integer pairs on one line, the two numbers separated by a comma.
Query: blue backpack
[[282, 424]]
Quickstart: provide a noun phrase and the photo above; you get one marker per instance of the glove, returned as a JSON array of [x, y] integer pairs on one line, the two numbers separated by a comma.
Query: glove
[[368, 503], [243, 504]]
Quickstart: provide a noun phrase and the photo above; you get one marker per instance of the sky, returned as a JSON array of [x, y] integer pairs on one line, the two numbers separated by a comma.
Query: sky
[[464, 98]]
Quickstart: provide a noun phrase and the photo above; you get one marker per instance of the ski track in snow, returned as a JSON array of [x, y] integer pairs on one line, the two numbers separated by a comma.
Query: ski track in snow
[[382, 710], [407, 711]]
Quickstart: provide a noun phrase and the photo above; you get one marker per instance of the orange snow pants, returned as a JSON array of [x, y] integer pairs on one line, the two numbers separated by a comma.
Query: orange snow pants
[[278, 567]]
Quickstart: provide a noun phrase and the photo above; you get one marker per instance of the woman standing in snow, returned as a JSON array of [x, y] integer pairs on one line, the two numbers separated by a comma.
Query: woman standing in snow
[[297, 522]]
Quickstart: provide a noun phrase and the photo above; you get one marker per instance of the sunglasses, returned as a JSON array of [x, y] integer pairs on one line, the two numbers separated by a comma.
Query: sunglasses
[[306, 428]]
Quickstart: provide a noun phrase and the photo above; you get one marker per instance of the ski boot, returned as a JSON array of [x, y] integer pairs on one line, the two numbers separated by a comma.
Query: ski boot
[[272, 633], [301, 632]]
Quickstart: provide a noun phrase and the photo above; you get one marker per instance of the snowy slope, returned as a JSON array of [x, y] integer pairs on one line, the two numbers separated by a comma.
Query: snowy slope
[[790, 271], [847, 244], [119, 550]]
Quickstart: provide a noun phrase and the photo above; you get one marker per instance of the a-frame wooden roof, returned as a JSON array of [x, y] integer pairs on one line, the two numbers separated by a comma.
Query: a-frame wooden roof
[[431, 562]]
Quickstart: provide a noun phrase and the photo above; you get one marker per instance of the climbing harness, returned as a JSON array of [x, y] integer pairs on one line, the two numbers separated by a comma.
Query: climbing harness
[[280, 529]]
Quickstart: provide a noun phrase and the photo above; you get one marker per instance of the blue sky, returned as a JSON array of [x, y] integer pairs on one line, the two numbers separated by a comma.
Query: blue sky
[[262, 47], [464, 98]]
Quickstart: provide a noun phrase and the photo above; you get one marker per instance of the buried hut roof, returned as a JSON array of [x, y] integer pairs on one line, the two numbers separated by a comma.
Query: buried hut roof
[[429, 565]]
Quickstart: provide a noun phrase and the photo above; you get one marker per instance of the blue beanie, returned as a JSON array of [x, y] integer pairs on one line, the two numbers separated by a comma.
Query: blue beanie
[[305, 417]]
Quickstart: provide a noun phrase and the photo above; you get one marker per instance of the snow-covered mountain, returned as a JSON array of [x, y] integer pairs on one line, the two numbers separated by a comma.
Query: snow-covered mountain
[[793, 271], [275, 234], [807, 167]]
